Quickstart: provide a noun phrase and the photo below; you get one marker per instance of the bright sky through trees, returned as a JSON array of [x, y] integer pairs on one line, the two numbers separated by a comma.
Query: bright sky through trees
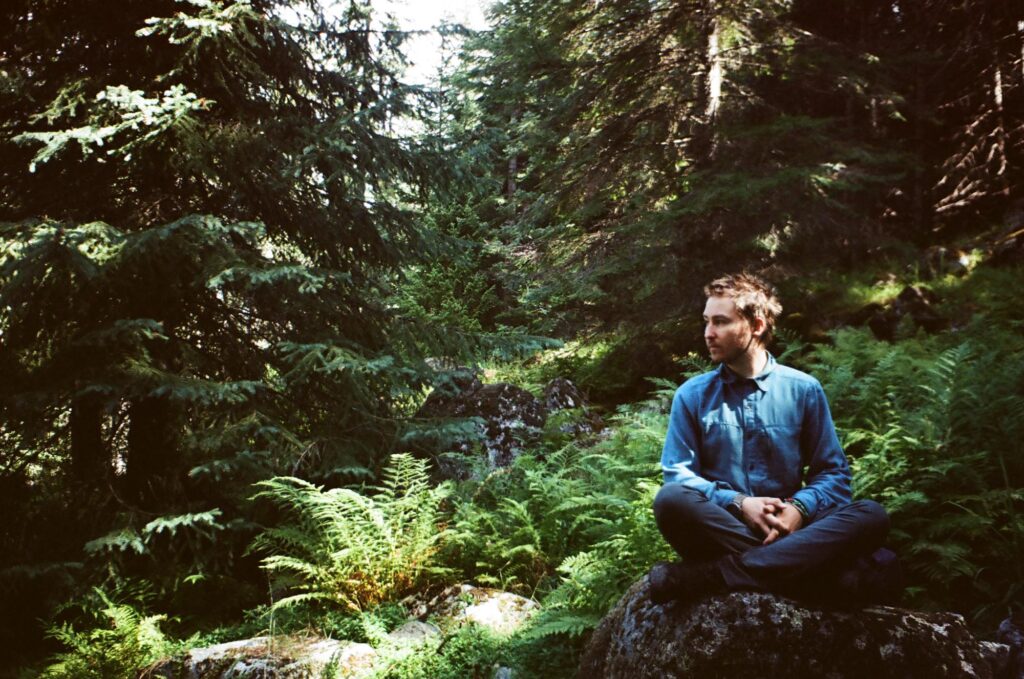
[[424, 51]]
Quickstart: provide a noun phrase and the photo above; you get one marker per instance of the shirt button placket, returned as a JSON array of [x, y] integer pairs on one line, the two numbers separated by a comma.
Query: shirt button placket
[[748, 434]]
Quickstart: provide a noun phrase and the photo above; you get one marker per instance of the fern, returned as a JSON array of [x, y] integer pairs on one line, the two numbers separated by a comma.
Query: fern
[[933, 427], [575, 526], [346, 548], [562, 622], [116, 649]]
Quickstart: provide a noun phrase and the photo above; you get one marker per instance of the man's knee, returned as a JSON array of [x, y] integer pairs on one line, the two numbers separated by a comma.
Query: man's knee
[[675, 502], [872, 518]]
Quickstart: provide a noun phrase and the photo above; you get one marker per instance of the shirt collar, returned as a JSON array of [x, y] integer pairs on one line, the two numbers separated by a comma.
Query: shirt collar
[[761, 380]]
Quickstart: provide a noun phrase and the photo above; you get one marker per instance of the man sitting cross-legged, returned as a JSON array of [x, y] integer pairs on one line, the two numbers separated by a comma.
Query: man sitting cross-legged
[[757, 488]]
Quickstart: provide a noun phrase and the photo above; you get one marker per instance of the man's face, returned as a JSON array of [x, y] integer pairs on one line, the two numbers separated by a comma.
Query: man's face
[[727, 334]]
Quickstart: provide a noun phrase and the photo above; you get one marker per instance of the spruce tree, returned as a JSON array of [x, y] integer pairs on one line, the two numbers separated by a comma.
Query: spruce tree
[[203, 205], [645, 147]]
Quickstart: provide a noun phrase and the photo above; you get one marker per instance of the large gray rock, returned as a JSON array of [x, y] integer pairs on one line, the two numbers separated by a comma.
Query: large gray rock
[[510, 419], [748, 635]]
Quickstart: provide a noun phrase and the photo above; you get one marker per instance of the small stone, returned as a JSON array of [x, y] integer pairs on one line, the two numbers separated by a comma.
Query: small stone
[[414, 632]]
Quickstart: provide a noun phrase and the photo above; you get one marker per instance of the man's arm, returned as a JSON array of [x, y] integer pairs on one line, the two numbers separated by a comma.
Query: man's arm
[[828, 473], [680, 457]]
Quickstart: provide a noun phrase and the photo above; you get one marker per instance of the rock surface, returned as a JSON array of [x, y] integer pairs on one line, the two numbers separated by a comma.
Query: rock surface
[[562, 394], [498, 611], [746, 634], [295, 657], [511, 418], [283, 657], [1011, 633]]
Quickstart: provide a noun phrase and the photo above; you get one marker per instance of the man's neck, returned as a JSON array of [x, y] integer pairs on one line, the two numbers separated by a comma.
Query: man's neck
[[750, 363]]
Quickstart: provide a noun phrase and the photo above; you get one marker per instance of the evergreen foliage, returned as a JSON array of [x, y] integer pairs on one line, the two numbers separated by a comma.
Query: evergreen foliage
[[644, 148], [205, 207], [235, 249]]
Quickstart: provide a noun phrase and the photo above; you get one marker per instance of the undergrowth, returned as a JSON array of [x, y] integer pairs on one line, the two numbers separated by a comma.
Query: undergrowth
[[933, 425], [116, 645], [570, 526], [354, 549]]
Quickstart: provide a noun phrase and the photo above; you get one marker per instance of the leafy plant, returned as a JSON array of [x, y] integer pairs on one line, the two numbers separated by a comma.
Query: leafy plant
[[933, 427], [573, 526], [356, 550], [123, 642], [470, 651]]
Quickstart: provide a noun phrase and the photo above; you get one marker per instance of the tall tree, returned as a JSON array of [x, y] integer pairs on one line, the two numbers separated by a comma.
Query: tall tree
[[203, 207], [660, 142]]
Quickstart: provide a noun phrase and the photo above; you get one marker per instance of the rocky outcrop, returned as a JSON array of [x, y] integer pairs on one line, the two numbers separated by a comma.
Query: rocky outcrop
[[916, 303], [511, 418], [1011, 633], [281, 657], [299, 657], [500, 612], [746, 634], [562, 394]]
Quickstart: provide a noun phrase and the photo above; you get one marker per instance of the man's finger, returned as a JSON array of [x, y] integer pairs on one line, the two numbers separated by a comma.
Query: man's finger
[[772, 536], [764, 527], [779, 526]]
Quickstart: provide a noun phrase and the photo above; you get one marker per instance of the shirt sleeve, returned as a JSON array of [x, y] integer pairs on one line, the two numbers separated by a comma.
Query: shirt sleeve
[[680, 457], [828, 477]]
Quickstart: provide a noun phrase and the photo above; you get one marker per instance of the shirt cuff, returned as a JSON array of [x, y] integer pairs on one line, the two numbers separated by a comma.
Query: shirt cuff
[[809, 500], [724, 498]]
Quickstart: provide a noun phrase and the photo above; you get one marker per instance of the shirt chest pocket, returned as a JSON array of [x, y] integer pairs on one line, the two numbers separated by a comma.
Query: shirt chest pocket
[[781, 457], [723, 439]]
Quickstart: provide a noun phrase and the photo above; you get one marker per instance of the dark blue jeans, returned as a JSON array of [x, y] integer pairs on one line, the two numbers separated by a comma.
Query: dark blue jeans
[[807, 562]]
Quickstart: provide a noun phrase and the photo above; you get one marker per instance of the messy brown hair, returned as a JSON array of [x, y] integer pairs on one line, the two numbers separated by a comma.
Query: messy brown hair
[[753, 296]]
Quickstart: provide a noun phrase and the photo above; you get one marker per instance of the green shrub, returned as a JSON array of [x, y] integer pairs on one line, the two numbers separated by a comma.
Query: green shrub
[[470, 652], [125, 642], [934, 427], [343, 547], [573, 526]]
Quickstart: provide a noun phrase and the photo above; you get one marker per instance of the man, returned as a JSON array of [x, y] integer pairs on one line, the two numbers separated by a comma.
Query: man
[[757, 488]]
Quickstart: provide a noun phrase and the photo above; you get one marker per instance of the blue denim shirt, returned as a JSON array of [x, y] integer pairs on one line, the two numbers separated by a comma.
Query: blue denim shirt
[[771, 436]]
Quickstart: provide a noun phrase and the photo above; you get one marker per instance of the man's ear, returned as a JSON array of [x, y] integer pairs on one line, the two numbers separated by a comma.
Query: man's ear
[[758, 327]]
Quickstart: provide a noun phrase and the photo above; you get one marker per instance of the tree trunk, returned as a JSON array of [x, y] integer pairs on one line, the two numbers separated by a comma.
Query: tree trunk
[[1020, 37], [716, 74], [90, 461], [917, 193], [513, 167], [151, 449], [1000, 131]]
